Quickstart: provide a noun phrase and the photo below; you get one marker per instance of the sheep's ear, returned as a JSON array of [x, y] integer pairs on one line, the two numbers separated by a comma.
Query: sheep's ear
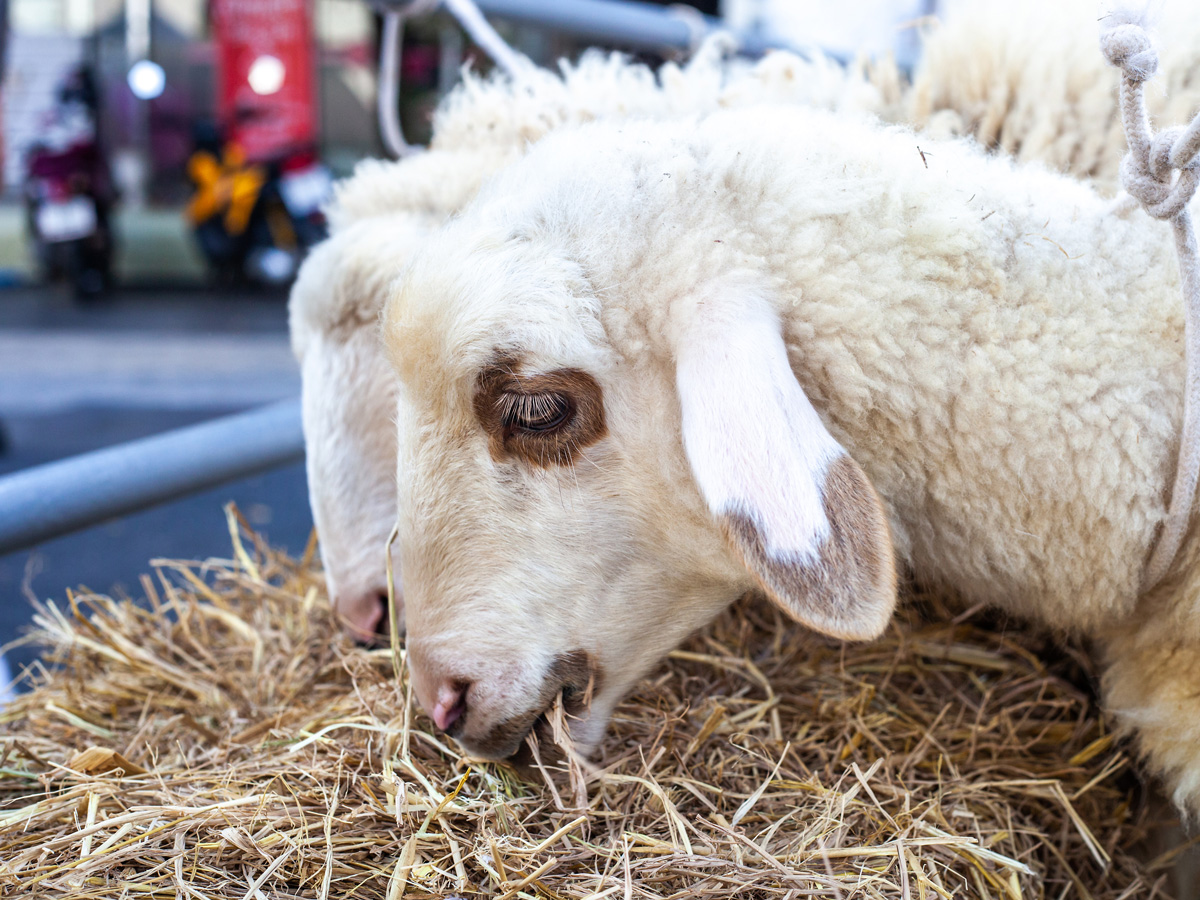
[[796, 508]]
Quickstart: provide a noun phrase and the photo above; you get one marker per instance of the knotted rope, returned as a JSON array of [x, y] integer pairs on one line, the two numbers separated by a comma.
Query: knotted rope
[[1162, 171]]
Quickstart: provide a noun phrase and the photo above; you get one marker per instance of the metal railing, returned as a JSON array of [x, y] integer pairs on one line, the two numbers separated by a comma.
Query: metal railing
[[640, 26], [626, 23], [623, 23], [57, 498]]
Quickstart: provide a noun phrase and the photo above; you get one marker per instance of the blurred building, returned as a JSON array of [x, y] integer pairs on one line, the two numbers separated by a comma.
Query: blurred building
[[149, 140]]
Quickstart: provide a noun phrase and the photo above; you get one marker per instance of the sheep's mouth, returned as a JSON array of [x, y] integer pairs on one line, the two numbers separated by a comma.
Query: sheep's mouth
[[572, 680], [549, 752], [573, 700], [509, 739]]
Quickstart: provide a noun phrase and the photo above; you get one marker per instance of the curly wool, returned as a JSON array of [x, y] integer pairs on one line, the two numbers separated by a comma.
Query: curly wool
[[1026, 79], [487, 121], [998, 353]]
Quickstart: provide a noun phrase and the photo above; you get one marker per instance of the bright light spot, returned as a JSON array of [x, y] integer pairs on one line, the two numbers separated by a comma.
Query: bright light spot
[[146, 79], [266, 75]]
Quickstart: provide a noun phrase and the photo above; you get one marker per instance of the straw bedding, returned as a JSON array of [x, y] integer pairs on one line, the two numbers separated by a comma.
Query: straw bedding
[[220, 740]]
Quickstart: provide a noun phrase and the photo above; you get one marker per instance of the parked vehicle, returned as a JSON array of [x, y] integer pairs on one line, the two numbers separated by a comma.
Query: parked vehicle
[[255, 221], [69, 193]]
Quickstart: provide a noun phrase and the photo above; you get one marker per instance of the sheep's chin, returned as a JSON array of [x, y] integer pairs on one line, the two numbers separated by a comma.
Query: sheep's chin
[[585, 725]]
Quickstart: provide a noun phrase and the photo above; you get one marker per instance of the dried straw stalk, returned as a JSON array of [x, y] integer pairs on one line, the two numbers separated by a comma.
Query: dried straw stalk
[[221, 741]]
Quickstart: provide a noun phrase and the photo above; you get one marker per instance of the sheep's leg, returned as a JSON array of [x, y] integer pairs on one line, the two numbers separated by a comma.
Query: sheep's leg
[[1152, 685]]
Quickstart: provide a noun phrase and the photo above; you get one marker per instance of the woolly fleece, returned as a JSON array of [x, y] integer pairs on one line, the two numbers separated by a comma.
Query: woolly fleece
[[1000, 355]]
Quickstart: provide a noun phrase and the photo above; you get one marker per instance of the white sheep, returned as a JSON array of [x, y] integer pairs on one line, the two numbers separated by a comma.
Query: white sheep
[[378, 214], [652, 367], [1024, 78], [974, 78], [347, 402]]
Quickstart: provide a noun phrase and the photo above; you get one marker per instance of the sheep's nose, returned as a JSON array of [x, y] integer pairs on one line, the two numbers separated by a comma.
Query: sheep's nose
[[451, 704], [363, 615]]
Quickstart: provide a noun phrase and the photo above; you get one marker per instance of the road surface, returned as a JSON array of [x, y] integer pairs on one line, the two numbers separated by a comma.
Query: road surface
[[75, 379]]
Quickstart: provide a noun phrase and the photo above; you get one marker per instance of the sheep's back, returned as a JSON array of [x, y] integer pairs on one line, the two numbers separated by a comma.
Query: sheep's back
[[1027, 79], [1000, 355]]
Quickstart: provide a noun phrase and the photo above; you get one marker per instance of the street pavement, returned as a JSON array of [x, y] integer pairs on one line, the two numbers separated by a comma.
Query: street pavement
[[77, 378]]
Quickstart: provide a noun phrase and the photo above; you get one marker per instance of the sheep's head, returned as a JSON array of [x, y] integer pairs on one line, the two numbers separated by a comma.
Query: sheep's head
[[348, 400], [573, 504]]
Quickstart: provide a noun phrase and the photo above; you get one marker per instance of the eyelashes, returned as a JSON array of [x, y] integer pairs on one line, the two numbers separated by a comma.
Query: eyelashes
[[544, 419], [539, 413]]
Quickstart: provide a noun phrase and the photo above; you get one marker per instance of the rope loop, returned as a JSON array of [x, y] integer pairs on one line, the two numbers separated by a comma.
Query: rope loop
[[1162, 172], [1154, 182], [1160, 152], [1186, 152], [395, 13]]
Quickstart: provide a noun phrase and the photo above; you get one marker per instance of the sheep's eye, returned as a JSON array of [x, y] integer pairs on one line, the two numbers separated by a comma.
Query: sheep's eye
[[535, 413], [544, 418]]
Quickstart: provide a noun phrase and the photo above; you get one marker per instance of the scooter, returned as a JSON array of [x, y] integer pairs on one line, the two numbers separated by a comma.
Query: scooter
[[68, 196], [255, 222]]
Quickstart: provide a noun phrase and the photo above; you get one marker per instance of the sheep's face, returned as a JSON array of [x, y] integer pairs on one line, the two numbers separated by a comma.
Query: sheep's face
[[349, 397], [572, 506], [348, 401]]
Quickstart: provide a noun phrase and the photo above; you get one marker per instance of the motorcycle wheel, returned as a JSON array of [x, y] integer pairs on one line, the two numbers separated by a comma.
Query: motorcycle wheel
[[89, 271]]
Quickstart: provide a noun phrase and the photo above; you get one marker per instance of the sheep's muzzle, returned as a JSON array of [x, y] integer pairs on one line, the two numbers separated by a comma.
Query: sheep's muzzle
[[575, 676]]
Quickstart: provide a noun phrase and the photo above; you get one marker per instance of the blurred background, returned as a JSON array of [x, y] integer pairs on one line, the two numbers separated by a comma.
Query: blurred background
[[164, 165]]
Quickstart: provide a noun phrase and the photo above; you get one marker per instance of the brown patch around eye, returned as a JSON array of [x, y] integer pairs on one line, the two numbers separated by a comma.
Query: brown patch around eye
[[545, 419]]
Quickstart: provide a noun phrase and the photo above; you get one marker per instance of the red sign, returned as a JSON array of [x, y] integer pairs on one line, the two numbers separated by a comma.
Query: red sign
[[267, 103]]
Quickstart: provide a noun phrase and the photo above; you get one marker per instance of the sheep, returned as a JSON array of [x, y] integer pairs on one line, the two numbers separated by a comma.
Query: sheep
[[347, 392], [1025, 79], [652, 367], [979, 60], [378, 214], [346, 406]]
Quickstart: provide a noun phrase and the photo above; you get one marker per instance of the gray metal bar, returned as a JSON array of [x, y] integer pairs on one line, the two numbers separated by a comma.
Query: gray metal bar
[[60, 497], [627, 23], [624, 22]]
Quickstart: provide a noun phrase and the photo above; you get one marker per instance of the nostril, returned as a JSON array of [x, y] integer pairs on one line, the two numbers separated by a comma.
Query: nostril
[[451, 705], [364, 616], [383, 626]]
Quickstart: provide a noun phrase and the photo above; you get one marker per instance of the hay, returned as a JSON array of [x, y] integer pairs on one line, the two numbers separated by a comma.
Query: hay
[[221, 741]]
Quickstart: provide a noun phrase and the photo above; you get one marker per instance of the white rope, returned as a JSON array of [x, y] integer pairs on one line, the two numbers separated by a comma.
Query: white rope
[[483, 34], [1162, 172], [388, 94]]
